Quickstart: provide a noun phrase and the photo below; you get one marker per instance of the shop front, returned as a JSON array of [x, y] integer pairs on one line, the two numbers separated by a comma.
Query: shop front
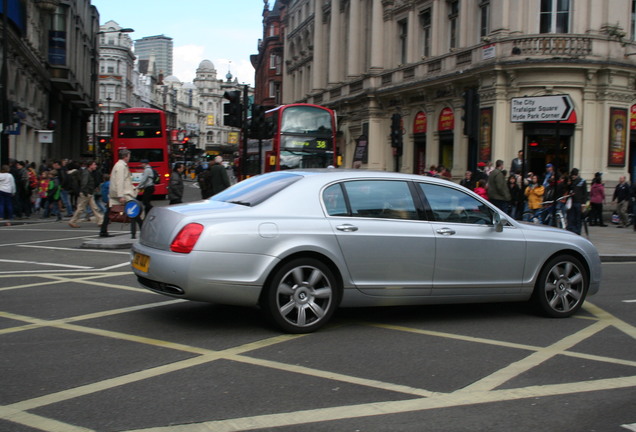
[[549, 143], [445, 127], [419, 143]]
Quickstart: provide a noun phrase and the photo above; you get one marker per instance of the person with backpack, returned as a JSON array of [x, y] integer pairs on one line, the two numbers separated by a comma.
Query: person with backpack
[[147, 185], [53, 195], [87, 197]]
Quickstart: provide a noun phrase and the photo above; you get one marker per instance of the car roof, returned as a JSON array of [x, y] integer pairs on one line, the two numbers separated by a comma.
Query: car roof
[[333, 174]]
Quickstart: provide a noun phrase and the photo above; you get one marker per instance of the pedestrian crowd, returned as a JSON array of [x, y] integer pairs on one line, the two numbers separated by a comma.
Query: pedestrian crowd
[[525, 197], [85, 191], [56, 189]]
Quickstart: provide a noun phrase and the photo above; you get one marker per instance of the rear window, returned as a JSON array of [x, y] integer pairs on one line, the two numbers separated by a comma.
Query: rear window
[[257, 189]]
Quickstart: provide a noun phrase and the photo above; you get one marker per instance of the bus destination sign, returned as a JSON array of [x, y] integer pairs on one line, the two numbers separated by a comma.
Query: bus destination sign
[[304, 143]]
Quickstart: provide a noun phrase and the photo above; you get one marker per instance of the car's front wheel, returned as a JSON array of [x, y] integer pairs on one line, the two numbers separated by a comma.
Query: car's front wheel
[[302, 296], [561, 287]]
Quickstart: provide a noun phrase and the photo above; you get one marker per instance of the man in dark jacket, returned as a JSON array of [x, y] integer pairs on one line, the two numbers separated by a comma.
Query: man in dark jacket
[[205, 181], [218, 176], [579, 197], [621, 196], [87, 196], [498, 191]]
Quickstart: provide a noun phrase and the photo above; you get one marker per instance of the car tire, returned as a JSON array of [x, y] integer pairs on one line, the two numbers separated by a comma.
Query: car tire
[[562, 286], [302, 296]]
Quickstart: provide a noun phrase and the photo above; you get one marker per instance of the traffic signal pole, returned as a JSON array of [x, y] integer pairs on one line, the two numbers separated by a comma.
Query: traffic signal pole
[[244, 131]]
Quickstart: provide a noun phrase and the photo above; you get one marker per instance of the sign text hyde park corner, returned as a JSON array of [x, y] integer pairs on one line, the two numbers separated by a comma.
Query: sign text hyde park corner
[[541, 108]]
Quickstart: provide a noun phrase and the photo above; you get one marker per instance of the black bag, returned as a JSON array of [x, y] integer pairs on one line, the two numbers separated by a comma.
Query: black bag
[[155, 177], [117, 213]]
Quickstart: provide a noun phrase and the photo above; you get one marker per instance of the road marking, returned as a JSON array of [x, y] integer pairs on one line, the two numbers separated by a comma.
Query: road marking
[[483, 391], [44, 264], [629, 301], [393, 407], [631, 427], [107, 251], [517, 368]]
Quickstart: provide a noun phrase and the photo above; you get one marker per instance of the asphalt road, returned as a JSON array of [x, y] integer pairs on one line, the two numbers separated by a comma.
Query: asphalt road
[[83, 348]]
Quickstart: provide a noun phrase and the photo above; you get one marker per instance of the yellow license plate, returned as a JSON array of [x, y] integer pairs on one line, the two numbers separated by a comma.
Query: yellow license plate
[[141, 262]]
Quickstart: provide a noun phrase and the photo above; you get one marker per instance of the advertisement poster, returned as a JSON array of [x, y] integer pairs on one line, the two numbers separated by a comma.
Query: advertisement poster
[[446, 120], [485, 134], [617, 138], [361, 153], [419, 125]]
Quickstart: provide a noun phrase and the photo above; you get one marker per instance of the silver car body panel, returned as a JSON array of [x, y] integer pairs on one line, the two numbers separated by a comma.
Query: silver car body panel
[[381, 262]]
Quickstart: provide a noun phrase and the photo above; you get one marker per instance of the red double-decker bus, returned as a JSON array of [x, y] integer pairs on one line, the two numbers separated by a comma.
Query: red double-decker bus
[[298, 136], [143, 131]]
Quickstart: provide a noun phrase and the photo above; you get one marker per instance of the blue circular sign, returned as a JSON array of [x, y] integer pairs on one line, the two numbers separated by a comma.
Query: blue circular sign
[[132, 208]]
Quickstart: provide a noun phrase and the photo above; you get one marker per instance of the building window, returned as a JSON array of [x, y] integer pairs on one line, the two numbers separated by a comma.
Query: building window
[[484, 26], [555, 16], [403, 34], [272, 89], [453, 16], [425, 20]]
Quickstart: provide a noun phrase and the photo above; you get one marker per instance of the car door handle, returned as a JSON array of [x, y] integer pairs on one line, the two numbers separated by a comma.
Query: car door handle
[[347, 228], [446, 231]]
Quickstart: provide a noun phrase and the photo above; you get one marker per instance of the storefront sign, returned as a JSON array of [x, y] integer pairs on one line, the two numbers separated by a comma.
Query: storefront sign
[[632, 117], [446, 120], [419, 125], [541, 108], [617, 137], [485, 134]]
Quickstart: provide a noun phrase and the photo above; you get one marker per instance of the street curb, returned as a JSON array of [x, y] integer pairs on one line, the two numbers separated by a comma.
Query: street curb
[[115, 242], [618, 258]]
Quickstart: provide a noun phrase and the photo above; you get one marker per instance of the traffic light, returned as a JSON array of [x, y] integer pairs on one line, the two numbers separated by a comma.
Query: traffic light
[[471, 112], [258, 126], [396, 133], [233, 110]]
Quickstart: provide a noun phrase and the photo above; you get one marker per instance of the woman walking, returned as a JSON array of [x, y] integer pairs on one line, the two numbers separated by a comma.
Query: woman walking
[[597, 198]]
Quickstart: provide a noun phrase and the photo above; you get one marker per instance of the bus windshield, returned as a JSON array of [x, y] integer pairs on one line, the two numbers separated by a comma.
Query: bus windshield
[[305, 159], [151, 154], [306, 120], [139, 125]]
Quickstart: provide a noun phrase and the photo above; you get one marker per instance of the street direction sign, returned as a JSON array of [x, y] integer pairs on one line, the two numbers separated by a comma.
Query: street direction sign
[[541, 108]]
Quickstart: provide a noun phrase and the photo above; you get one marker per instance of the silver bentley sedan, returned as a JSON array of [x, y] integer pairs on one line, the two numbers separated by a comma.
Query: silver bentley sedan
[[301, 243]]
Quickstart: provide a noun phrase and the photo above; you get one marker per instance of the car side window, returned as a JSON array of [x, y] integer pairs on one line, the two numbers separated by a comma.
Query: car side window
[[383, 199], [334, 200], [451, 205]]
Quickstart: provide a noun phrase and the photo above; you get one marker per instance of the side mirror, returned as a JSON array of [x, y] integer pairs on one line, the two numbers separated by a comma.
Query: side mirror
[[496, 220]]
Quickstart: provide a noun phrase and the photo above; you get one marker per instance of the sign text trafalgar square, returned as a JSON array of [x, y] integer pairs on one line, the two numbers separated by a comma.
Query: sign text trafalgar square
[[541, 108]]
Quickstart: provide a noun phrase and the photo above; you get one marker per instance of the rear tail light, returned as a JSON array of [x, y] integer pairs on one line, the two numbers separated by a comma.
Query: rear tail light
[[186, 239]]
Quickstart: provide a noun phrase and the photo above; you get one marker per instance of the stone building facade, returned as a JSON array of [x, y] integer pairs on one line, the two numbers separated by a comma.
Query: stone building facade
[[49, 51], [452, 69]]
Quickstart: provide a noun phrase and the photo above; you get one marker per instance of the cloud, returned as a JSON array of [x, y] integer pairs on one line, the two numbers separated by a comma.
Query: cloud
[[188, 57], [186, 60]]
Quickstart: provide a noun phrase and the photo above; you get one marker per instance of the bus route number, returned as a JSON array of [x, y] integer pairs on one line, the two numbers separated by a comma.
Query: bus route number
[[319, 144]]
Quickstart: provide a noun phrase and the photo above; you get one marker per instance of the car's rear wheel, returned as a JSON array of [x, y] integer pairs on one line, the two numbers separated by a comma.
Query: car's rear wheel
[[561, 287], [302, 296]]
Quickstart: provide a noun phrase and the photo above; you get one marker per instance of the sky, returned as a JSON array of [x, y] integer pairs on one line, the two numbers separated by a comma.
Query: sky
[[224, 32]]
